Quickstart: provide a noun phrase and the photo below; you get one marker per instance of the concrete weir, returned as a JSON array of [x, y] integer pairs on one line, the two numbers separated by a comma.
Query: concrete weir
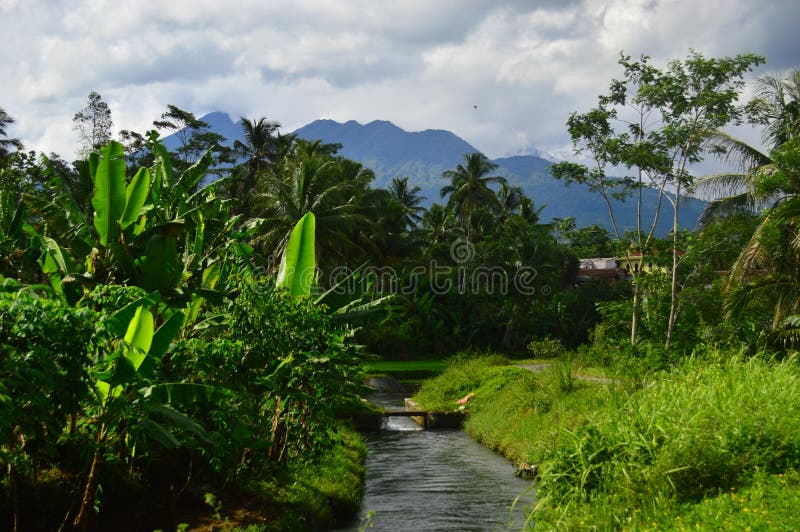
[[429, 419]]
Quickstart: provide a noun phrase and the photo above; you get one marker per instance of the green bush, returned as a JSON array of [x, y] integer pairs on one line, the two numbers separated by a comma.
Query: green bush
[[291, 367], [546, 348], [45, 349]]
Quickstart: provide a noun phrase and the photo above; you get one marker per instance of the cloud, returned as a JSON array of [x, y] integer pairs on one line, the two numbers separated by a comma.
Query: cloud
[[421, 64]]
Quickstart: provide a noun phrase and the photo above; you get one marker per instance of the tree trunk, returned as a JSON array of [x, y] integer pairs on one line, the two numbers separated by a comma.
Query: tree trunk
[[82, 520], [12, 491], [635, 313], [673, 301]]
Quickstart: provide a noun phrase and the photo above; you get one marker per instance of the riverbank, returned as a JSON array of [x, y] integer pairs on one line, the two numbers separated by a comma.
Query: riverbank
[[321, 494], [714, 442]]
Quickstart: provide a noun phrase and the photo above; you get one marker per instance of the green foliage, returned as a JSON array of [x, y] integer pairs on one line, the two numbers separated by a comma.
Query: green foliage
[[45, 348], [701, 430], [521, 414], [292, 371], [546, 348], [108, 200], [464, 374], [296, 271]]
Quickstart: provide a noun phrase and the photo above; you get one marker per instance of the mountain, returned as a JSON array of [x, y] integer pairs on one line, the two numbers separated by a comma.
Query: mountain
[[423, 156], [532, 174], [218, 122], [383, 141]]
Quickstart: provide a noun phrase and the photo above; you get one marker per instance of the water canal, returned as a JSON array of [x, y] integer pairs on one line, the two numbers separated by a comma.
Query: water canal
[[437, 480]]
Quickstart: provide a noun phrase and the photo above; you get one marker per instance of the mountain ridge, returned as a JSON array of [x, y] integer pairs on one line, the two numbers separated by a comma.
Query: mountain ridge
[[390, 151]]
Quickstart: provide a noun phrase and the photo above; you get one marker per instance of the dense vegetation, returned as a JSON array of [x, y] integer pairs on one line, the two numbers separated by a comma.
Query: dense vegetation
[[186, 328]]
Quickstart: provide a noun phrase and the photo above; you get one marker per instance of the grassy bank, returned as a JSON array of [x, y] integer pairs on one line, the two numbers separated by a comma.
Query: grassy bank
[[714, 442], [318, 495]]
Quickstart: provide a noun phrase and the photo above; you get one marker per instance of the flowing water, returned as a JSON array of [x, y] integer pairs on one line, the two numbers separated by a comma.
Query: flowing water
[[437, 480]]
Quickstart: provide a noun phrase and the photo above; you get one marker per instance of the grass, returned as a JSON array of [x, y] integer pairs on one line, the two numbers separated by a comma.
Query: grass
[[714, 442], [580, 366], [323, 494], [319, 495], [411, 372], [515, 412], [395, 366]]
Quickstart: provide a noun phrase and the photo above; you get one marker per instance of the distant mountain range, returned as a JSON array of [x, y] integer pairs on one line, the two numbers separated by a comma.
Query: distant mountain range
[[390, 151]]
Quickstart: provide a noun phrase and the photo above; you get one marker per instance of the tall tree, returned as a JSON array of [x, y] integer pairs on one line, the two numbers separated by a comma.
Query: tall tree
[[674, 111], [329, 187], [185, 126], [93, 124], [693, 98], [776, 106], [469, 187], [509, 200]]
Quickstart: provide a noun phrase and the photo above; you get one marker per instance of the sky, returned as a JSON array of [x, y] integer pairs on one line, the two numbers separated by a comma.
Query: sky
[[422, 64]]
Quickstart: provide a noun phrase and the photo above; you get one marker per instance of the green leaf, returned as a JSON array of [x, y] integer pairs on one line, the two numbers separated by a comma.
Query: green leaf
[[108, 199], [163, 168], [185, 393], [160, 267], [181, 420], [194, 173], [135, 197], [139, 336], [93, 162], [159, 433], [165, 334], [54, 259], [296, 272], [118, 324]]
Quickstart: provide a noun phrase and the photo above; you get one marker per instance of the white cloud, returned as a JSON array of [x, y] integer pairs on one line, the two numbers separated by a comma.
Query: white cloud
[[421, 64]]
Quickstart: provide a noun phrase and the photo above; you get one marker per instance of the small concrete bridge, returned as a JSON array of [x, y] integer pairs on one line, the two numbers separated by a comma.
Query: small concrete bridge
[[429, 419]]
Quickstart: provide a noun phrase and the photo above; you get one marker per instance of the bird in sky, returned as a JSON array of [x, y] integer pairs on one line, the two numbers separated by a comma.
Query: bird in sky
[[474, 106]]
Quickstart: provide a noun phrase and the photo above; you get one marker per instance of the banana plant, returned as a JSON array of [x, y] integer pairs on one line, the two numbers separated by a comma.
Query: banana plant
[[118, 388], [156, 230], [349, 299]]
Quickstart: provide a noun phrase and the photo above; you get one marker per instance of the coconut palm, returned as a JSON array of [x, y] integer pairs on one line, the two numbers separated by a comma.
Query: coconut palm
[[439, 228], [409, 198], [469, 187], [257, 150], [326, 186], [509, 200], [776, 107], [5, 142], [767, 270]]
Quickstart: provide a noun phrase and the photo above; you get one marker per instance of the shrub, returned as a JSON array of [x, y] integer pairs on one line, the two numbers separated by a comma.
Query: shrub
[[546, 348]]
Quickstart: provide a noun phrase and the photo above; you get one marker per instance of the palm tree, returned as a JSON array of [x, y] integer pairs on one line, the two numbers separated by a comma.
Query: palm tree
[[409, 198], [258, 151], [323, 185], [469, 187], [777, 108], [509, 200], [439, 227], [768, 182], [5, 142]]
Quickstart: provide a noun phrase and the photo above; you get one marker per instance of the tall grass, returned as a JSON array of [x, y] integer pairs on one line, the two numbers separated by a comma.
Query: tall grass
[[695, 432], [515, 412]]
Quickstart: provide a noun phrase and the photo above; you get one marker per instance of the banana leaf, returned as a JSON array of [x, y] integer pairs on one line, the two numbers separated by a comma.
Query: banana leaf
[[108, 198], [296, 271]]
